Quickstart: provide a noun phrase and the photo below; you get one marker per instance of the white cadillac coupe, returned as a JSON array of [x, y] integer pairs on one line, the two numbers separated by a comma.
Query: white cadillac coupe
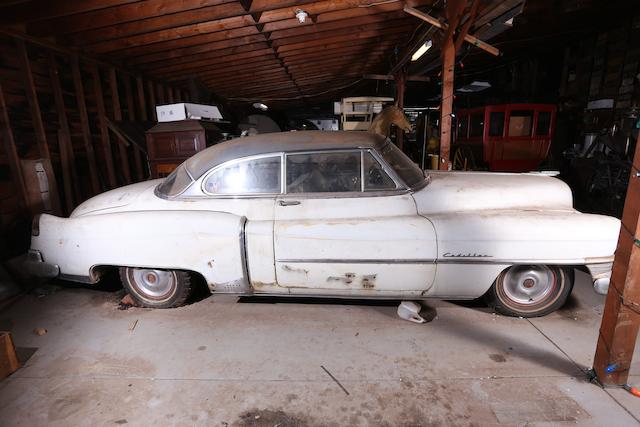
[[335, 214]]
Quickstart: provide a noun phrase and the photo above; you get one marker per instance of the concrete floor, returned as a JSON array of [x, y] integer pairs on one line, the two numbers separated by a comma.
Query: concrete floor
[[221, 363]]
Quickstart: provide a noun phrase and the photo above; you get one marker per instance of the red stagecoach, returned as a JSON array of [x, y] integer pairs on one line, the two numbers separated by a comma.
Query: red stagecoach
[[506, 138]]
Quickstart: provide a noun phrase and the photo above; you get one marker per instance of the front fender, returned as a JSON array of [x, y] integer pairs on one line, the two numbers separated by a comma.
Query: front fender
[[209, 243]]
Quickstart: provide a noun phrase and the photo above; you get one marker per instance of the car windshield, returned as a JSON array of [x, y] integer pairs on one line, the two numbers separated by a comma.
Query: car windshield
[[175, 183], [408, 171]]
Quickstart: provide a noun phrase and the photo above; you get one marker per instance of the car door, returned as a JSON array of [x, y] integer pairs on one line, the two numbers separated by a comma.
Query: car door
[[344, 225]]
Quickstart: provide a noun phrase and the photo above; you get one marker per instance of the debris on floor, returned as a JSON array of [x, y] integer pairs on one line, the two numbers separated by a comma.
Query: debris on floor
[[133, 325], [127, 302], [409, 310], [40, 331], [8, 359]]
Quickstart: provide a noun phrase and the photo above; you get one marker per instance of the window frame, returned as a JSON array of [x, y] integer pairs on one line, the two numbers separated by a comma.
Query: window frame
[[225, 165]]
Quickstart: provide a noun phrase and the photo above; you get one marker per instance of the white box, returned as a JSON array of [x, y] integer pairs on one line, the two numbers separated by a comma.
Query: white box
[[185, 110]]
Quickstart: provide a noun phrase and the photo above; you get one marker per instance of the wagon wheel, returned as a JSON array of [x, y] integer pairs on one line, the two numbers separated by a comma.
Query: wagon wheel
[[463, 159], [530, 290]]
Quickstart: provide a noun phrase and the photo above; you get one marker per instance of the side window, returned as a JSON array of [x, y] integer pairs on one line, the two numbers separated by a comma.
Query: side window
[[253, 176], [375, 178], [477, 124], [323, 172], [520, 123], [544, 123], [496, 123]]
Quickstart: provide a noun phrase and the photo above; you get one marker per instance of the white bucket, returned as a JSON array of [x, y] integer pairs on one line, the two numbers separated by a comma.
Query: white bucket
[[409, 310]]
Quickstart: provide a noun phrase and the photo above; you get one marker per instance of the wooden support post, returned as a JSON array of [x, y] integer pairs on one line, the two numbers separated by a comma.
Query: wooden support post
[[11, 152], [117, 115], [621, 317], [401, 82], [446, 108], [104, 131], [152, 100], [170, 97], [67, 159], [84, 124], [131, 110]]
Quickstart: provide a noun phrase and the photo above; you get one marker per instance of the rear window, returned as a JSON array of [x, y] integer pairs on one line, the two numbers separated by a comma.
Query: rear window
[[175, 183], [408, 171]]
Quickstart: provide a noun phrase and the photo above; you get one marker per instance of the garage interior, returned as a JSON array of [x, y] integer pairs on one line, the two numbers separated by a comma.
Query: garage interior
[[84, 90]]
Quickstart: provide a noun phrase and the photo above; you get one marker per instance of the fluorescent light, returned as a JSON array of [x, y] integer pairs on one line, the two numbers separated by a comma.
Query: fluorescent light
[[421, 51], [260, 106]]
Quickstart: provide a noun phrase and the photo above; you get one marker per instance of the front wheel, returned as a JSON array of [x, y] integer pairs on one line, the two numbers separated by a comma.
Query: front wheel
[[530, 290], [157, 288]]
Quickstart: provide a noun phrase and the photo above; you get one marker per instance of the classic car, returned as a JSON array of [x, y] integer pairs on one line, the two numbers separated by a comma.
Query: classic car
[[331, 214]]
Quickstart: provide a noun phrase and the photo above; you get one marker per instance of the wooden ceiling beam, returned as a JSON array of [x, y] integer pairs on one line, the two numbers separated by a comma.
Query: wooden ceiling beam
[[171, 57], [234, 74], [30, 11], [256, 41], [184, 32], [214, 63]]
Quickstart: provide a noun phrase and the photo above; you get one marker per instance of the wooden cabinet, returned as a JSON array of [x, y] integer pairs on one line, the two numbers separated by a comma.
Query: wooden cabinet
[[171, 143]]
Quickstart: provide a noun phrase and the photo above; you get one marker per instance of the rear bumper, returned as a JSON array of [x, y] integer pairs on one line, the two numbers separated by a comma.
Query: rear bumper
[[34, 266]]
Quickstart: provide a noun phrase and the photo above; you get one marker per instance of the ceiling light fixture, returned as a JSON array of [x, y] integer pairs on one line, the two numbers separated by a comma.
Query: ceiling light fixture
[[301, 15], [260, 106], [422, 50]]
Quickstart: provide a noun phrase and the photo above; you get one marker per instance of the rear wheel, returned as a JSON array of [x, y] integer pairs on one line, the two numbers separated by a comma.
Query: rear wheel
[[157, 288], [530, 290]]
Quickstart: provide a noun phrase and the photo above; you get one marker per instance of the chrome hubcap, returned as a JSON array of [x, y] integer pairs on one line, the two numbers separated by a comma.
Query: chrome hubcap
[[528, 284], [153, 283]]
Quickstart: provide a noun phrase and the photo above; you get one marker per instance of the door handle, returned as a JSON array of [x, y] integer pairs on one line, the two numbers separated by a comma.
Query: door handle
[[288, 202]]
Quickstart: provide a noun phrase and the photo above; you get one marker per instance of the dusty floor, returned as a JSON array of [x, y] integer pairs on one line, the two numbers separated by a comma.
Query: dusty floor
[[222, 363]]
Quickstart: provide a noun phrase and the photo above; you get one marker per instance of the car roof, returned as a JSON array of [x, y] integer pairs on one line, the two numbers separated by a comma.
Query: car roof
[[280, 142]]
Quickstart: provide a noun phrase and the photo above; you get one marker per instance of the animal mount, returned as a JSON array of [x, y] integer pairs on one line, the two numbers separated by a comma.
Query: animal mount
[[390, 115]]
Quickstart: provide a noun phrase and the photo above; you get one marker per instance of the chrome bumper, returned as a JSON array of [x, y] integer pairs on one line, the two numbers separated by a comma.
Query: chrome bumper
[[34, 266]]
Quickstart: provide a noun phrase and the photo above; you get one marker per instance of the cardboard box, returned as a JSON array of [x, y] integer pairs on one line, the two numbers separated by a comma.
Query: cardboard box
[[187, 111]]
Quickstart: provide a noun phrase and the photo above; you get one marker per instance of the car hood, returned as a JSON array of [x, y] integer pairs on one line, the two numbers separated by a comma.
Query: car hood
[[470, 191], [116, 198]]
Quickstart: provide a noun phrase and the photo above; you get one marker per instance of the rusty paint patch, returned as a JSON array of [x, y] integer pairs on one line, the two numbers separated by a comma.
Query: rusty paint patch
[[295, 270], [347, 278], [369, 281]]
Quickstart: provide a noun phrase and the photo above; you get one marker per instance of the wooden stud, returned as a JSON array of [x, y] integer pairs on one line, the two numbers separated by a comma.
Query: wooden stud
[[12, 152], [169, 91], [131, 110], [117, 116], [152, 100], [401, 84], [104, 131], [446, 109], [67, 159], [621, 317], [160, 92], [84, 124], [142, 101], [32, 99]]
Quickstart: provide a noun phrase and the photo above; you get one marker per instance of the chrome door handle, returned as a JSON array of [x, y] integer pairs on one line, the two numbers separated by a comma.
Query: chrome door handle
[[288, 202]]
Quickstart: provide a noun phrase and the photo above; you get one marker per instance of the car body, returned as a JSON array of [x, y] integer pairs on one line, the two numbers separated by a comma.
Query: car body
[[336, 214]]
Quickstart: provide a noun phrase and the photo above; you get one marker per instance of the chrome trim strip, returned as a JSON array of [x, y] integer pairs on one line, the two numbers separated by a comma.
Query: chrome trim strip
[[432, 261], [358, 261], [246, 285]]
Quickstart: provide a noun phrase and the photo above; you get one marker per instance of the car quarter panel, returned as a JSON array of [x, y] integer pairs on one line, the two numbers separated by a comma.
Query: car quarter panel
[[205, 242], [474, 247]]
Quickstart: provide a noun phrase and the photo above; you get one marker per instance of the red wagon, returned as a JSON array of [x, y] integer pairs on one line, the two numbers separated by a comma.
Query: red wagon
[[507, 138]]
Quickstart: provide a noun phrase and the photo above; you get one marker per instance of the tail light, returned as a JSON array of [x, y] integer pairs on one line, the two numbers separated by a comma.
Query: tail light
[[35, 225]]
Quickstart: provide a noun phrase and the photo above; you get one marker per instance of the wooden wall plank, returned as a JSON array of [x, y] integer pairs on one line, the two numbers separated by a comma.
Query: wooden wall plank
[[10, 149], [84, 124], [117, 115], [67, 159], [142, 101], [104, 131], [131, 110], [152, 100]]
